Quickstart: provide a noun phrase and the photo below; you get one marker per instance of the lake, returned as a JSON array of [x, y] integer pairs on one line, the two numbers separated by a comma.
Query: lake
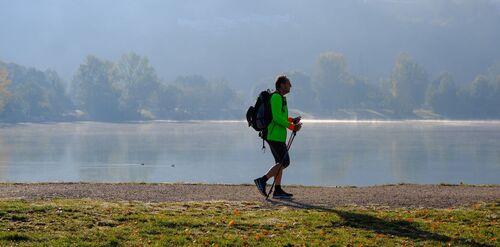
[[324, 153]]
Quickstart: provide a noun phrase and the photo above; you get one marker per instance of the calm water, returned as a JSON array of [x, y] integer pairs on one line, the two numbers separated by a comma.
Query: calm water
[[324, 153]]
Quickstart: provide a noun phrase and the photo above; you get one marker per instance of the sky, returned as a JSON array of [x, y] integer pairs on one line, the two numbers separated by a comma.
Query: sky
[[244, 42]]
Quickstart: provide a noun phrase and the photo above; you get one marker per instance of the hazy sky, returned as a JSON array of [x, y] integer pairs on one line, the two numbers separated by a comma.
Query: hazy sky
[[245, 41]]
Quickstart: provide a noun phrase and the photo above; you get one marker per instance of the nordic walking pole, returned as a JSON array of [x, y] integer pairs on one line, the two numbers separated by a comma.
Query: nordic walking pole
[[281, 162]]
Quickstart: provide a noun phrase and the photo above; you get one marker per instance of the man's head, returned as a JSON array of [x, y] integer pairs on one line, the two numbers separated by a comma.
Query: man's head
[[283, 84]]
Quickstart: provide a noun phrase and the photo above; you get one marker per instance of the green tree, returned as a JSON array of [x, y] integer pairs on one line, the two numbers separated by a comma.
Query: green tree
[[58, 99], [338, 89], [93, 90], [138, 84], [4, 83], [494, 78], [409, 83], [330, 78], [194, 96], [333, 82], [482, 98], [441, 95], [303, 95], [203, 99], [169, 97]]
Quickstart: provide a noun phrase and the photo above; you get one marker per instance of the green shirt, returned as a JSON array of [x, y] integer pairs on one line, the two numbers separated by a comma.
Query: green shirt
[[276, 130]]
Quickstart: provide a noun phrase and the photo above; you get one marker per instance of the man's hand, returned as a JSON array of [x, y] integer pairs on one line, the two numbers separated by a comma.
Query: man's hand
[[296, 120], [297, 127]]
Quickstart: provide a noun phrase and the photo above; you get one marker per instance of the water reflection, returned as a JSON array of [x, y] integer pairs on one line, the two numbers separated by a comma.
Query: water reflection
[[324, 153]]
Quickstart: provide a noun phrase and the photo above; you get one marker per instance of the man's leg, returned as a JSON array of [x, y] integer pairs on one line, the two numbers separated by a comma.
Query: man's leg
[[275, 172], [280, 154]]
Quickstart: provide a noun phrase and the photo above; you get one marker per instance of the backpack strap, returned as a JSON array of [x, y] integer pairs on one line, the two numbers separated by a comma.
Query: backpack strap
[[263, 135], [282, 100]]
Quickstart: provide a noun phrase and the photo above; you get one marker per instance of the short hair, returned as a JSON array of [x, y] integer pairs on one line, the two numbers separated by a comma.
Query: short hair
[[280, 80]]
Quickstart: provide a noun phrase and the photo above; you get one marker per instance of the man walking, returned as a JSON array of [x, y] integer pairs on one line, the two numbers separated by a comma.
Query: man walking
[[276, 137]]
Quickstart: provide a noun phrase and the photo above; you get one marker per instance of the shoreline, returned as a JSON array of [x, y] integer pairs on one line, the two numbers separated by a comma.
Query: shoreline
[[246, 184], [391, 195]]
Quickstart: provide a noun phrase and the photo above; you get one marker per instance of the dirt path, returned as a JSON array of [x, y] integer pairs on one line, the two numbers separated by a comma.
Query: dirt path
[[438, 196]]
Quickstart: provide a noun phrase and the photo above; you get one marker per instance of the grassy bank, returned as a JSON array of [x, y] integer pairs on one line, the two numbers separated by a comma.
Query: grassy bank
[[101, 223]]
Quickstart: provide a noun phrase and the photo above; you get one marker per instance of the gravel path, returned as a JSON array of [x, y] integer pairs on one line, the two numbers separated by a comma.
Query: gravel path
[[436, 196]]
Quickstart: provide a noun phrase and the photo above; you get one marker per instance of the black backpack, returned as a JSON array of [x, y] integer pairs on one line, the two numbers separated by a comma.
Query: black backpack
[[260, 116]]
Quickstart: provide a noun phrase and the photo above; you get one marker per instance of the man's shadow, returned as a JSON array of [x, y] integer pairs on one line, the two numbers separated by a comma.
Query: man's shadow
[[399, 228]]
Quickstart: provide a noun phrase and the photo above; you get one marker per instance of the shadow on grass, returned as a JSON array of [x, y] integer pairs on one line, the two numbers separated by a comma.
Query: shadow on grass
[[14, 237], [399, 228]]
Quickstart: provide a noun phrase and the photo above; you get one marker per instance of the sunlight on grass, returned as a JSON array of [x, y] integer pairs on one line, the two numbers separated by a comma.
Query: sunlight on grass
[[100, 223]]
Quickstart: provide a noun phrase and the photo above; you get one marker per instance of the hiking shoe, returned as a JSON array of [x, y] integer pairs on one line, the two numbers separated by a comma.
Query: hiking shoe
[[281, 191], [261, 186], [282, 195]]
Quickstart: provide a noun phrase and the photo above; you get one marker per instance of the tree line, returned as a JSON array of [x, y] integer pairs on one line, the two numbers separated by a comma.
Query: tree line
[[102, 90], [129, 89], [332, 91]]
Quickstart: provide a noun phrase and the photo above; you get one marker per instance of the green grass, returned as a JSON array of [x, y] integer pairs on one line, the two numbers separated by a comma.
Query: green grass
[[102, 223]]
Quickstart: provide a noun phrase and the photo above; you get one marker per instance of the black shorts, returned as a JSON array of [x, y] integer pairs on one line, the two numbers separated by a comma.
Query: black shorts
[[279, 152]]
